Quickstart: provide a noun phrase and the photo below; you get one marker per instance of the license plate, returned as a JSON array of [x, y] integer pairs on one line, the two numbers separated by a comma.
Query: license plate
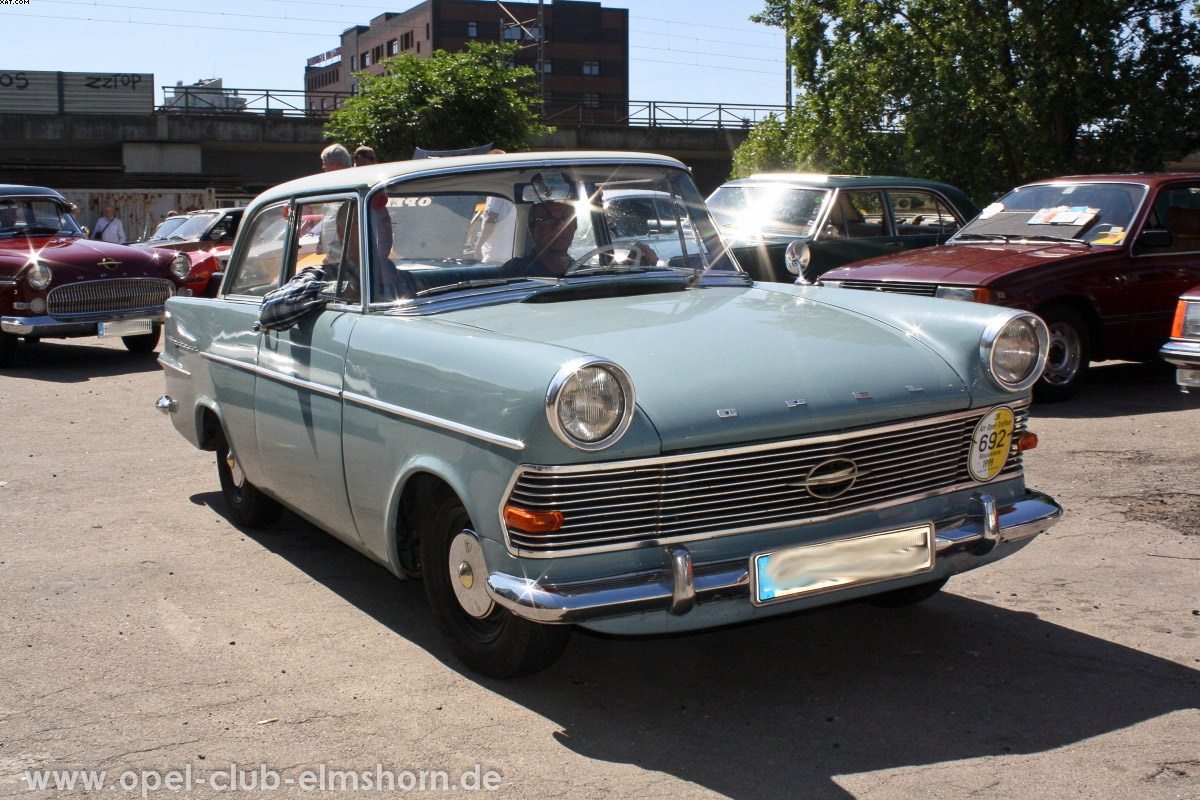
[[125, 327], [813, 568]]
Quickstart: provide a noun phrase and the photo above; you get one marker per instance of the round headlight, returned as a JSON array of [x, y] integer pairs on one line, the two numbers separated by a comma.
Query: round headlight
[[39, 276], [181, 265], [1014, 349], [590, 403]]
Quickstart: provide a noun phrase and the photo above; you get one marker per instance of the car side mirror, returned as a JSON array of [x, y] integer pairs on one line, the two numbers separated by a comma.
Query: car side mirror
[[799, 261], [1155, 238]]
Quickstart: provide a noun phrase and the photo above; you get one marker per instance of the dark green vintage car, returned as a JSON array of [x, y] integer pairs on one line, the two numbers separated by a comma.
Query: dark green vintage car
[[840, 218]]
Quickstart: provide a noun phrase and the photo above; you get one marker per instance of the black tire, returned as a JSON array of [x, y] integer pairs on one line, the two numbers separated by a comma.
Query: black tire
[[499, 645], [32, 339], [143, 342], [908, 596], [8, 350], [248, 507], [1070, 352]]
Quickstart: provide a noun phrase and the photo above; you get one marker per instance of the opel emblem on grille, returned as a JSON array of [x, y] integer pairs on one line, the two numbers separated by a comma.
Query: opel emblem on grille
[[108, 264], [830, 479]]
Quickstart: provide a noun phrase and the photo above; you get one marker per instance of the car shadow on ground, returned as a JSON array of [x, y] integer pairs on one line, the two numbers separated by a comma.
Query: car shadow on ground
[[781, 708], [77, 361], [1122, 389]]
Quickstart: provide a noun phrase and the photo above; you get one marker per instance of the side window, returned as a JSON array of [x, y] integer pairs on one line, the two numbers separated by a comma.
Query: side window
[[331, 243], [1179, 212], [920, 213], [262, 258], [857, 215]]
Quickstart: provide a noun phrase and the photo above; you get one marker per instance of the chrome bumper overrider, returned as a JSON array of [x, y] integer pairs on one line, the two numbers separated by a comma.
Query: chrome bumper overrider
[[1181, 354], [681, 583]]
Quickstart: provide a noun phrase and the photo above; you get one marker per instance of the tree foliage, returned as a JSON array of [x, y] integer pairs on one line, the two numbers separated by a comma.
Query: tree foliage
[[989, 94], [448, 101]]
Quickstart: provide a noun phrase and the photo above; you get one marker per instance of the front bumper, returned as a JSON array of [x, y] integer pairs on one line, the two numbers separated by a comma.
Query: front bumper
[[681, 584], [1185, 355], [50, 328]]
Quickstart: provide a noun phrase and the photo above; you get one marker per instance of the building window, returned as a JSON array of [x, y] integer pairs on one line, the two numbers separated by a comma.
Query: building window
[[377, 54], [591, 100], [393, 47], [472, 30], [406, 40], [548, 99], [353, 63], [591, 68], [547, 66], [364, 60], [515, 33]]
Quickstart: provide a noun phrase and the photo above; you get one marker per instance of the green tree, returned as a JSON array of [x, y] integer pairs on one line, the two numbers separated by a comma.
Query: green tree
[[448, 101], [989, 94]]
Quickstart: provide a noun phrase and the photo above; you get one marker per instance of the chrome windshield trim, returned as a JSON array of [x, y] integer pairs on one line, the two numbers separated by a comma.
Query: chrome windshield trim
[[438, 422]]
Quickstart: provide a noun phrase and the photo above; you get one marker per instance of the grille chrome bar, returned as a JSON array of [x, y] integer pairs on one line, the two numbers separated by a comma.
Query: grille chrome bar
[[898, 287], [93, 298], [676, 498]]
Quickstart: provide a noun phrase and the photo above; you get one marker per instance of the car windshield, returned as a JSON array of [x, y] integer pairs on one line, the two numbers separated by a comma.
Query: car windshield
[[195, 225], [41, 215], [454, 231], [767, 210], [1095, 213], [166, 228]]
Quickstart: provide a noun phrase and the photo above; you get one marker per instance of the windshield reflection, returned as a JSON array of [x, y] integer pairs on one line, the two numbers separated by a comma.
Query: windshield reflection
[[1092, 213]]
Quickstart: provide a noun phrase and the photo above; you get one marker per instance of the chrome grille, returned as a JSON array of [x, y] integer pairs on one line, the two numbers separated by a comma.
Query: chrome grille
[[897, 287], [91, 298], [629, 503]]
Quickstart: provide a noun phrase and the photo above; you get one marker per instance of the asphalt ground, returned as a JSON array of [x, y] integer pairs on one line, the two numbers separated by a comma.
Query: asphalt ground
[[146, 636]]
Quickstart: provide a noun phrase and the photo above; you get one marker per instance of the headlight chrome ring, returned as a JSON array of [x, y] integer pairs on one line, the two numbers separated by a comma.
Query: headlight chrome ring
[[39, 276], [590, 403], [181, 266], [1014, 348]]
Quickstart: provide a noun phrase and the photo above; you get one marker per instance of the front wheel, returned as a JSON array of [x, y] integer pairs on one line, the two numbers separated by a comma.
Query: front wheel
[[143, 342], [248, 507], [487, 638], [8, 350], [1070, 352]]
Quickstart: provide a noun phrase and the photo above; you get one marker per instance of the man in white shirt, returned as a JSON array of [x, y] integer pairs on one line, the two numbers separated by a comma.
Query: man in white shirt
[[109, 227]]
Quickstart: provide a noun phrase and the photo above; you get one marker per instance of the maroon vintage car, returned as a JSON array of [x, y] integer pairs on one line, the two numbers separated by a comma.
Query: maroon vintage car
[[57, 283], [1102, 258], [1183, 349]]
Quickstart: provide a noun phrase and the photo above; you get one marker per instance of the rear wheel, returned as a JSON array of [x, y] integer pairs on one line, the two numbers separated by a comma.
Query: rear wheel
[[1070, 352], [248, 507], [908, 596], [8, 350], [143, 342], [487, 638]]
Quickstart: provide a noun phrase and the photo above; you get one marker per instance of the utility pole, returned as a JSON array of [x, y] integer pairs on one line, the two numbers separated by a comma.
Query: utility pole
[[541, 27]]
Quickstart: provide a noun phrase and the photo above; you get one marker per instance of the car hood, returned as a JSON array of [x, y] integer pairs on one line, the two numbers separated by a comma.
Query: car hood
[[967, 264], [75, 259], [731, 365]]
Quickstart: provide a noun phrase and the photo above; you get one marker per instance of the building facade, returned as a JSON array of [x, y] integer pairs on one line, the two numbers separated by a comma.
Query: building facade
[[586, 51]]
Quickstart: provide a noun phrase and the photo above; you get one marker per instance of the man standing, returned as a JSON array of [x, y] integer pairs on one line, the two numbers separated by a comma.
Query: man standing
[[364, 156], [109, 227]]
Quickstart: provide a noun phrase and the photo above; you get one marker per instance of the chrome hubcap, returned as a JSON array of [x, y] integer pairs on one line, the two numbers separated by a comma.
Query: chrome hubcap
[[468, 574], [1066, 354]]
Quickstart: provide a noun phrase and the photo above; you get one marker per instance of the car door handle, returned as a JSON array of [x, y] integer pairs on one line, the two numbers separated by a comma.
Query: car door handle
[[257, 327]]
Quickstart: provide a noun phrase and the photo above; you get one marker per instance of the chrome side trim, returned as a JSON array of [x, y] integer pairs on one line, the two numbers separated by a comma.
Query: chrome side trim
[[299, 383], [230, 362], [437, 422], [173, 367], [656, 590]]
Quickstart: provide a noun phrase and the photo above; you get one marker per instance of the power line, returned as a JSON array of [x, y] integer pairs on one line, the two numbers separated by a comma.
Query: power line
[[690, 38], [707, 55], [176, 25], [704, 66], [188, 11]]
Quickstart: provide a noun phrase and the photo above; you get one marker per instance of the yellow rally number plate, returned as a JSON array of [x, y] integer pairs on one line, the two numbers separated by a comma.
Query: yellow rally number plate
[[990, 444]]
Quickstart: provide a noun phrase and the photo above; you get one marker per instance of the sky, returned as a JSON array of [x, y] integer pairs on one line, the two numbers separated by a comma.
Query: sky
[[699, 51]]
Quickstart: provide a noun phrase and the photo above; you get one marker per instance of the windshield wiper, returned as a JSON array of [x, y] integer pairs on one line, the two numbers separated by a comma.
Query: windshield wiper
[[1045, 237], [475, 283], [1003, 237]]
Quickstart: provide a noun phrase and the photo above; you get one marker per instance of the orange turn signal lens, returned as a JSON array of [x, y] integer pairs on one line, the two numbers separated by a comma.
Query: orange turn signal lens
[[1177, 325], [1026, 441], [532, 521]]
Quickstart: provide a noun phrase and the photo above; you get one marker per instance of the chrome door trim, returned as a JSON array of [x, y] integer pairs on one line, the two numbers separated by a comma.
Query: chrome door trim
[[438, 422]]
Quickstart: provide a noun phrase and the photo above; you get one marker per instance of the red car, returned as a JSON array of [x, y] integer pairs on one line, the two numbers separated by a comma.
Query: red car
[[1102, 258], [56, 283], [206, 236]]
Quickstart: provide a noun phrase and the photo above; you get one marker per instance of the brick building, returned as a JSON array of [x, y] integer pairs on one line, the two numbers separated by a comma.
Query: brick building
[[586, 50]]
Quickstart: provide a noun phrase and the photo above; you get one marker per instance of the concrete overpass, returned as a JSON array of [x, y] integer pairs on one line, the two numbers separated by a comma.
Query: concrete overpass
[[239, 154]]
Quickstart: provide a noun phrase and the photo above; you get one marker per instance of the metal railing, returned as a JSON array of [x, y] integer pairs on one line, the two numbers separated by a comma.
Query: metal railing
[[319, 104]]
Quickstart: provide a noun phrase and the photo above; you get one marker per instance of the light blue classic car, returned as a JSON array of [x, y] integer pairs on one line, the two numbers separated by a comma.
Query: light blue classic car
[[575, 430]]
